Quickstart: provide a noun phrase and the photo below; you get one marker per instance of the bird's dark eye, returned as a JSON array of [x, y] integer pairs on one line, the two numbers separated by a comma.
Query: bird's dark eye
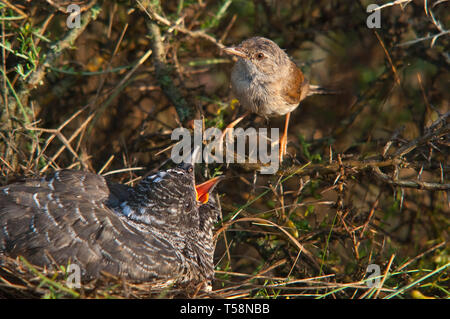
[[260, 56], [188, 205]]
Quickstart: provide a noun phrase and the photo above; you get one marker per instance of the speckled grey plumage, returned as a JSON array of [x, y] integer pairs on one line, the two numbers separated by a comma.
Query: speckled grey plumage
[[154, 231]]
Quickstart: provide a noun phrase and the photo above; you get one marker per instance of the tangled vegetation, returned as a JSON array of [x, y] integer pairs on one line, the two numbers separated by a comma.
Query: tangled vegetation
[[366, 179]]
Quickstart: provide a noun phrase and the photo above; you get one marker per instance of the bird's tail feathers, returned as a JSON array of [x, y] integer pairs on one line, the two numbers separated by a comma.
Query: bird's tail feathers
[[317, 89]]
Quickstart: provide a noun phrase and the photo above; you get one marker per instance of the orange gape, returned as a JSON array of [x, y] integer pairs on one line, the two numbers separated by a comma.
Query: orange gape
[[204, 188]]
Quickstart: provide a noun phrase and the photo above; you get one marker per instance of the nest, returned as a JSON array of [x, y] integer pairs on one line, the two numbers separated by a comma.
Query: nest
[[20, 279]]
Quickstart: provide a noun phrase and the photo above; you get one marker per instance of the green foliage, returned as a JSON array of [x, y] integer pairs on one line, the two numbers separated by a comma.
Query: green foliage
[[27, 50], [315, 158], [214, 21]]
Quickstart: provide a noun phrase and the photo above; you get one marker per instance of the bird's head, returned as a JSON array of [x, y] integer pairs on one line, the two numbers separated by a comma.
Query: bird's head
[[172, 199], [260, 54]]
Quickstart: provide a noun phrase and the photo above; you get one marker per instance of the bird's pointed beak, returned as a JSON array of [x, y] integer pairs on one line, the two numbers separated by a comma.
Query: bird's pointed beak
[[204, 189], [235, 51]]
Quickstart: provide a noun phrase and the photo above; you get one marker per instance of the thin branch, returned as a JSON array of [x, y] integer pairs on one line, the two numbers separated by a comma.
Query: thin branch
[[193, 34], [409, 183], [57, 48], [407, 148], [163, 74]]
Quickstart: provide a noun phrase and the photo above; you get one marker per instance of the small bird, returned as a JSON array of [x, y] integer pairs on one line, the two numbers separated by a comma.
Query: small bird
[[160, 230], [267, 82]]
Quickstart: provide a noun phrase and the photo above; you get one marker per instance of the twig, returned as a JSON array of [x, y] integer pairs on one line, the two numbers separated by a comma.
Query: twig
[[228, 28], [163, 74], [193, 34], [57, 48], [433, 36], [129, 169], [388, 56], [369, 218], [416, 282], [408, 183], [390, 4], [266, 222], [384, 277], [405, 149], [9, 5], [74, 135], [354, 165], [63, 9]]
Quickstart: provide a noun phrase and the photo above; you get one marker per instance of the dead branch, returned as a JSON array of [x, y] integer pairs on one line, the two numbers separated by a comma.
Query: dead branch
[[163, 74], [409, 183], [57, 48]]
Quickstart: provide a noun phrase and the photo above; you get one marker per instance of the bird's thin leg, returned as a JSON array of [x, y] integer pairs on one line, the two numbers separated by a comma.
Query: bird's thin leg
[[218, 144], [283, 140], [233, 124]]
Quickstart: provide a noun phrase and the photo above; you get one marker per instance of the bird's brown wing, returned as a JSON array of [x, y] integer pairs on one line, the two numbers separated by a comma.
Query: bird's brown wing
[[295, 91]]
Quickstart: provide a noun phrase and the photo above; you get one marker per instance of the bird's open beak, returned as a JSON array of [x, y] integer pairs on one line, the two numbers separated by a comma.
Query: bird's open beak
[[235, 51], [204, 189]]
